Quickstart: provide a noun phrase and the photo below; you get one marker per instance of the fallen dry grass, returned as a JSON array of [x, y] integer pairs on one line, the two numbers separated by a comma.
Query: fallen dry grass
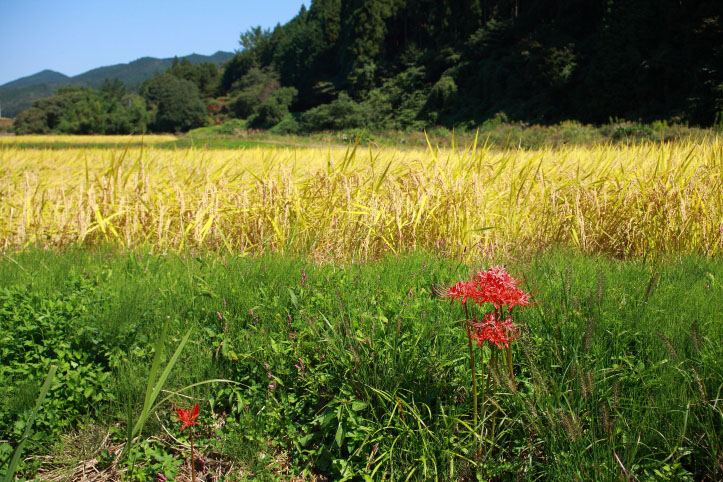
[[94, 458]]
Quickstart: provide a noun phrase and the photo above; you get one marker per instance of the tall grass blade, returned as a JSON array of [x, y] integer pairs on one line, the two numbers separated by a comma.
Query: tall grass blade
[[155, 384], [15, 460]]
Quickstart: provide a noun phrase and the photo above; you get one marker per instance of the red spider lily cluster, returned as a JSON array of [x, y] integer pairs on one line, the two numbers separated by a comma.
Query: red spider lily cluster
[[497, 287], [494, 286], [493, 330]]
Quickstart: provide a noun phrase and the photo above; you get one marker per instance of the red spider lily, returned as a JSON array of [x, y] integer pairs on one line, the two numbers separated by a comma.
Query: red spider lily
[[497, 287], [188, 417], [463, 291], [492, 330], [494, 286]]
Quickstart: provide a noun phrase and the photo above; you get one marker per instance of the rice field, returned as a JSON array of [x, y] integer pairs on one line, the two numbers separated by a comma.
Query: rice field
[[84, 139], [363, 203]]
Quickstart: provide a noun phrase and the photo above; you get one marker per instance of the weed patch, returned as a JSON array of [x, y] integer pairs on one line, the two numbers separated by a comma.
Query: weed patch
[[356, 371]]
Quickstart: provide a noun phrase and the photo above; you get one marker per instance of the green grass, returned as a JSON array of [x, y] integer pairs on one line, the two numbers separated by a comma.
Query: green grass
[[497, 132], [214, 143], [617, 376]]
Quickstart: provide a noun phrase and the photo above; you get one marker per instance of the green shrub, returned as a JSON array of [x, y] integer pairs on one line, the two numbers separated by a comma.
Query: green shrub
[[251, 90], [85, 111], [288, 125], [37, 332], [342, 113], [443, 93], [31, 121], [175, 104], [228, 128], [274, 108], [633, 130]]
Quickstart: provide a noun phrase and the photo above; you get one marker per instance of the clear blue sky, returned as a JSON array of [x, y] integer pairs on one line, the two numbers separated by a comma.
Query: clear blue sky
[[74, 36]]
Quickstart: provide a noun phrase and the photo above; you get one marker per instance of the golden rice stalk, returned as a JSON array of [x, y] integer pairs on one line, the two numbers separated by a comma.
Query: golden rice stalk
[[332, 203]]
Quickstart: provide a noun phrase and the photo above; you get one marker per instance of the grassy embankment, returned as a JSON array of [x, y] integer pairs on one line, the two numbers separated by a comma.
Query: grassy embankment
[[617, 373], [495, 133]]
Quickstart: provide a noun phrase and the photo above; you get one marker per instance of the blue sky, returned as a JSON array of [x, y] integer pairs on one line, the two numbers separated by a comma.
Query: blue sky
[[73, 36]]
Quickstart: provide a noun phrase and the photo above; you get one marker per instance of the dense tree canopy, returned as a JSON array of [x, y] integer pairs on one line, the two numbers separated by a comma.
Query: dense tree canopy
[[109, 110], [175, 104], [416, 63], [205, 77], [454, 62], [168, 102]]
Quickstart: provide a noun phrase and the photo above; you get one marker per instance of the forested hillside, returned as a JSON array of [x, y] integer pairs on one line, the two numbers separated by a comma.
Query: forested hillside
[[418, 62], [412, 64]]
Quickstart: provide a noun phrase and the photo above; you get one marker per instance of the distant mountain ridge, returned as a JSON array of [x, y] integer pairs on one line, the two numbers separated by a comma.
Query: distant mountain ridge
[[19, 94], [44, 77]]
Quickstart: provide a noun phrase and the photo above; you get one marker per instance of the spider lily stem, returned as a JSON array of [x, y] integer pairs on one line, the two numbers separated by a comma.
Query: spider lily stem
[[509, 362], [484, 394], [193, 462], [473, 366]]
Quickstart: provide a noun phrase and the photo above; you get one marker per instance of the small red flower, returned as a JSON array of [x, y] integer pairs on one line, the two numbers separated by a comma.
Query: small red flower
[[494, 286], [463, 290], [492, 330], [188, 417]]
